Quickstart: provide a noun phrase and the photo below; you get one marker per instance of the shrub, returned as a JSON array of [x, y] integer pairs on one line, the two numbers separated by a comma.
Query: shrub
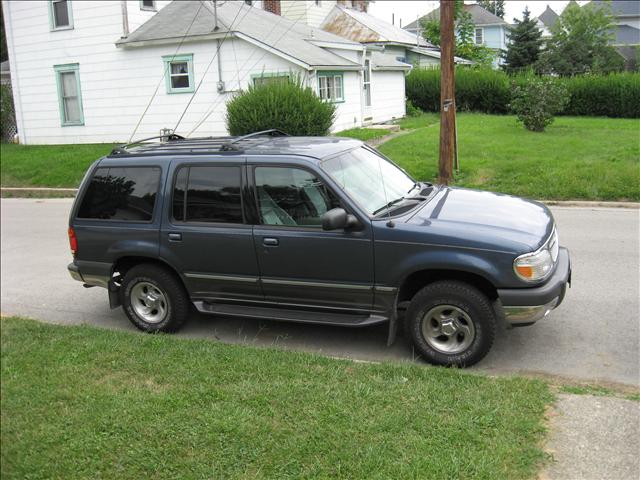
[[411, 109], [289, 106], [488, 91], [537, 101]]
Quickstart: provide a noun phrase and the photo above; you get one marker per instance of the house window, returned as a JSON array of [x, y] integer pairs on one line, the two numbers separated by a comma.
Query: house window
[[330, 87], [479, 36], [367, 83], [268, 78], [318, 3], [249, 2], [148, 5], [60, 14], [69, 96], [179, 73]]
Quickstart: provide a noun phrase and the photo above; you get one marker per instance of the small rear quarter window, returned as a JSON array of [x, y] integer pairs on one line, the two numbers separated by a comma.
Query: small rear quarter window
[[121, 193]]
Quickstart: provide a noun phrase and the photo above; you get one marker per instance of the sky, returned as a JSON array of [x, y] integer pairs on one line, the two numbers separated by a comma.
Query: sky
[[407, 10]]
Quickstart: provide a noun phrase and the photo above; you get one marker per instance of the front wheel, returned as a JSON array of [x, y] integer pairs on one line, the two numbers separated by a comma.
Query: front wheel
[[451, 323], [154, 299]]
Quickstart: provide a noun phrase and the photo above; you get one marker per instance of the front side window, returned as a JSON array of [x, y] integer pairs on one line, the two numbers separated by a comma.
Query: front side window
[[69, 95], [148, 5], [121, 193], [479, 36], [369, 179], [292, 197], [330, 87], [179, 73], [209, 194], [60, 14]]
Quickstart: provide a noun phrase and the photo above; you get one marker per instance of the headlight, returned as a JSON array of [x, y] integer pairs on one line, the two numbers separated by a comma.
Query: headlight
[[532, 267]]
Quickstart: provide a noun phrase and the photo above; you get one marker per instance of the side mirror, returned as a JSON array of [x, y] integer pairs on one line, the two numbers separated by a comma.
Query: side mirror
[[338, 219]]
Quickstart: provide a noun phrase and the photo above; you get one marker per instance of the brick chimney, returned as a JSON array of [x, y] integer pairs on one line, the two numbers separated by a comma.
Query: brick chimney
[[272, 6]]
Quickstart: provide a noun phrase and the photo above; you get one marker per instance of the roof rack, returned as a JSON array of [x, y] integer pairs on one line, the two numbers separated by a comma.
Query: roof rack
[[172, 143]]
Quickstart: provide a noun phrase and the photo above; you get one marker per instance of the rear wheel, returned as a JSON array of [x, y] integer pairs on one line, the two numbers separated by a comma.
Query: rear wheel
[[451, 323], [154, 299]]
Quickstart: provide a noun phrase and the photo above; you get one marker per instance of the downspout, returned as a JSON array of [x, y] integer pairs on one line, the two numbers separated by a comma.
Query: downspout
[[220, 87], [15, 84], [125, 19], [364, 58]]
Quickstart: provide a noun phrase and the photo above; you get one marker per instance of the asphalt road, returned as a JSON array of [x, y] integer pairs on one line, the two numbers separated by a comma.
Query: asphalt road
[[593, 335]]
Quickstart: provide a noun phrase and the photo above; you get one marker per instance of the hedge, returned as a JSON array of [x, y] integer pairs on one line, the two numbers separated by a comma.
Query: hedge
[[489, 91]]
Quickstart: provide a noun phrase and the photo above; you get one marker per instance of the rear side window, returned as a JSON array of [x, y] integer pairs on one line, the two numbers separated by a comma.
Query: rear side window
[[123, 193], [208, 194]]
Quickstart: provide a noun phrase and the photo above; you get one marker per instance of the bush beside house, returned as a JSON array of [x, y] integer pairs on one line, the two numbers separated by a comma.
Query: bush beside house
[[488, 91]]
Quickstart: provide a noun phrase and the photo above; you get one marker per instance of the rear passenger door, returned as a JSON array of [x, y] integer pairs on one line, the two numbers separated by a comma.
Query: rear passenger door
[[205, 234]]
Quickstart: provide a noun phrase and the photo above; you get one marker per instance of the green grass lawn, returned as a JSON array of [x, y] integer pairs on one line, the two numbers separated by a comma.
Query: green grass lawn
[[575, 158], [82, 402], [364, 134], [47, 165]]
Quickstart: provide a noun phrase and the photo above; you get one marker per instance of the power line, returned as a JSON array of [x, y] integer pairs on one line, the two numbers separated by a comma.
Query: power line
[[212, 109], [219, 46], [164, 72]]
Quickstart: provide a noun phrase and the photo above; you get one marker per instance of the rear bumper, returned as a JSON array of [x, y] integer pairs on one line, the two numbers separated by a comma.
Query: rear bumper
[[528, 305], [95, 274]]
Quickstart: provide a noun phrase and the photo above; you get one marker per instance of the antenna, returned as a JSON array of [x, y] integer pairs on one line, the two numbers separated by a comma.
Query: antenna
[[215, 15]]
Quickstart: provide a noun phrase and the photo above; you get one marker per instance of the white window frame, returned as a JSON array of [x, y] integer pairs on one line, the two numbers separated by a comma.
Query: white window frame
[[75, 69], [475, 36], [329, 83], [52, 16], [152, 8], [366, 83]]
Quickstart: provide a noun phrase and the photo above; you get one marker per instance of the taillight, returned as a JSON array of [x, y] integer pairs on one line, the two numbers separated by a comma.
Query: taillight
[[73, 241]]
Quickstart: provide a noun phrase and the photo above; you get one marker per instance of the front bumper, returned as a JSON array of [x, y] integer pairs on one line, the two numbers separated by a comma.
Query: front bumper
[[523, 306]]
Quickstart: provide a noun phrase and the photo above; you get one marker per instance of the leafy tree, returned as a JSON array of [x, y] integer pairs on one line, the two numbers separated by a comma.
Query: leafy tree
[[3, 39], [580, 43], [537, 101], [465, 46], [523, 48], [494, 6]]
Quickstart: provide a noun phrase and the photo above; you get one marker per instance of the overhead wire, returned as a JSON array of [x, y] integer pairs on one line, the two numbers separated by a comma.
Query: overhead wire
[[216, 54], [211, 110], [164, 72]]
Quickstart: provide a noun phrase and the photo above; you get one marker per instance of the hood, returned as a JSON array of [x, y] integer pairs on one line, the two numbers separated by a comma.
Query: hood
[[485, 219]]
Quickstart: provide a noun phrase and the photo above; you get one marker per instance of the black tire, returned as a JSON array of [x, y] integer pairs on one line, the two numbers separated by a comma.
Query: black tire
[[467, 300], [176, 301]]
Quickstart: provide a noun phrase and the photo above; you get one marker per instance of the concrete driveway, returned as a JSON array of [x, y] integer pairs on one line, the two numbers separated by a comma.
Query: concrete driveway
[[593, 336]]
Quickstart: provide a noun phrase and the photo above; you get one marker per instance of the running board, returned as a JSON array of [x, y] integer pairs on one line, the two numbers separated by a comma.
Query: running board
[[289, 315]]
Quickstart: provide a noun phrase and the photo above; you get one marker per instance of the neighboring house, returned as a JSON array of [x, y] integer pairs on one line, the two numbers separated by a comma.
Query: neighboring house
[[84, 72], [373, 32], [545, 21], [490, 30], [626, 32]]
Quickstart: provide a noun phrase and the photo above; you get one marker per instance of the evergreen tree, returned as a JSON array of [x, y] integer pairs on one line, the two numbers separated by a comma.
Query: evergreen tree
[[494, 6], [523, 47]]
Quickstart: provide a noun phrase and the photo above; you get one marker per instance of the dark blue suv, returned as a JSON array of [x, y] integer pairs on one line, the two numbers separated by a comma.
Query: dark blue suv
[[311, 229]]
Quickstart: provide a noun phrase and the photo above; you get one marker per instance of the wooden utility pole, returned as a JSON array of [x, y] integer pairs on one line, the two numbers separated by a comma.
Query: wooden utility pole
[[447, 92]]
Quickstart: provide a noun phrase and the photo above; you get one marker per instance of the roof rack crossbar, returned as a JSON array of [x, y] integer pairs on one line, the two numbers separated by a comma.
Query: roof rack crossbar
[[272, 132], [123, 148]]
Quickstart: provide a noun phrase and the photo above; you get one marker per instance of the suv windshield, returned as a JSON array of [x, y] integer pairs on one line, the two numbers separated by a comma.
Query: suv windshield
[[369, 179]]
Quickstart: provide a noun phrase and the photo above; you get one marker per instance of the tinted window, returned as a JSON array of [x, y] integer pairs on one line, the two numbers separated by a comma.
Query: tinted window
[[212, 194], [127, 194], [290, 196]]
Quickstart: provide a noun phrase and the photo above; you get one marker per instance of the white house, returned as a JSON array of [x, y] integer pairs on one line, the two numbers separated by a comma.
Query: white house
[[104, 71]]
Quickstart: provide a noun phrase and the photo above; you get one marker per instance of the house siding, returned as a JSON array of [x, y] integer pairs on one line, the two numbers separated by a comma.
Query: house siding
[[307, 11]]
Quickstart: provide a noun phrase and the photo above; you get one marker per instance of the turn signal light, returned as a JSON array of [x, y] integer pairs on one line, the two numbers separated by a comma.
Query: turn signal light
[[525, 271], [73, 241]]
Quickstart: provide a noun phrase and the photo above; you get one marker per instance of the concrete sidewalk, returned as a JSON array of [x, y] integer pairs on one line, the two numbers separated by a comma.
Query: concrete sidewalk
[[594, 438]]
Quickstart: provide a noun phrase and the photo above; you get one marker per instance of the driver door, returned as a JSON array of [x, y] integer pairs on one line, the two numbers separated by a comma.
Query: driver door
[[301, 264]]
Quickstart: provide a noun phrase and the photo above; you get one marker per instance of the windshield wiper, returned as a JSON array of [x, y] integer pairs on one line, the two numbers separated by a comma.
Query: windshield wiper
[[388, 205]]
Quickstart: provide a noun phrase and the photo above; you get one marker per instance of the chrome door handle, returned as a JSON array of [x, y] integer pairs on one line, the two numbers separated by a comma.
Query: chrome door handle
[[175, 237], [270, 242]]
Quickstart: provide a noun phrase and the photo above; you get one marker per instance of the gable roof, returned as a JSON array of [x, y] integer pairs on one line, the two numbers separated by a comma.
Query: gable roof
[[548, 18], [626, 35], [619, 8], [364, 28], [479, 16], [292, 40]]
